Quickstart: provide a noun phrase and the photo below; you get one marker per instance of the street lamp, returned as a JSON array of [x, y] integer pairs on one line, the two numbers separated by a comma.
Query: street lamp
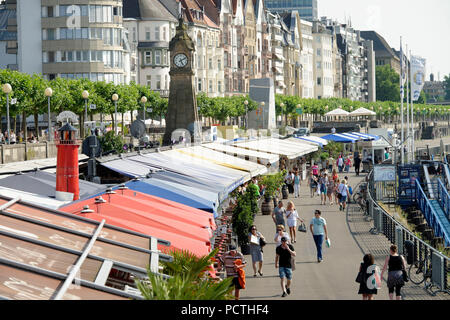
[[48, 93], [144, 100], [85, 95], [246, 114], [7, 89], [115, 97]]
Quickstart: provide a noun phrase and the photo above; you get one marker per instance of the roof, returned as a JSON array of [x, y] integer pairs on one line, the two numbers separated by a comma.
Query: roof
[[39, 246], [44, 183], [186, 228], [380, 45], [146, 10]]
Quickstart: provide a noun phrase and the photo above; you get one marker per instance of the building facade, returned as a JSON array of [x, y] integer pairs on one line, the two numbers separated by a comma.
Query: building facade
[[323, 61], [149, 27], [384, 54], [8, 35], [291, 27], [307, 60], [307, 9]]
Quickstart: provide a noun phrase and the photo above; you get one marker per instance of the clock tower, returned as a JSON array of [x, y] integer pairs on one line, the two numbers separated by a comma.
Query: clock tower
[[182, 110]]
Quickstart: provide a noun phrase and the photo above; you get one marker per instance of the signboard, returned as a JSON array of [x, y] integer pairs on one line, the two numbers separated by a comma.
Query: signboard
[[93, 106], [407, 176], [383, 173], [299, 111]]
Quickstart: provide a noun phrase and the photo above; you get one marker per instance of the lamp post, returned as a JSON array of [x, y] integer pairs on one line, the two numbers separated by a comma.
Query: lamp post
[[262, 105], [298, 106], [7, 90], [144, 100], [246, 114], [115, 97], [282, 105], [85, 95], [48, 93]]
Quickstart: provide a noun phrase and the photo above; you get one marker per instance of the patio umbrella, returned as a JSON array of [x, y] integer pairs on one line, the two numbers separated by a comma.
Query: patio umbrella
[[337, 112], [362, 112]]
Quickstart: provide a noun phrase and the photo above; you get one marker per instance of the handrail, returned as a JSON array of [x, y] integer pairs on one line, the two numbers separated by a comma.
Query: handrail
[[443, 198], [431, 216], [447, 174], [428, 181]]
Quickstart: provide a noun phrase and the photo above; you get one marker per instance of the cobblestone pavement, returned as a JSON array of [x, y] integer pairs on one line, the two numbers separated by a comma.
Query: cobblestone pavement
[[334, 278]]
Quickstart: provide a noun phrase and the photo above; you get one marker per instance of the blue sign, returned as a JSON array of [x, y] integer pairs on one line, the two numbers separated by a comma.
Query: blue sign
[[407, 176]]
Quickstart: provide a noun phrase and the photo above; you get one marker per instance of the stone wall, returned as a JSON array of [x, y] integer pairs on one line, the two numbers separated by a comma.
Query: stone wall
[[28, 151]]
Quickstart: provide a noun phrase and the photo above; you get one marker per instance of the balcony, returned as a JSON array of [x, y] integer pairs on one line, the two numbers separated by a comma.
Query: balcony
[[245, 50]]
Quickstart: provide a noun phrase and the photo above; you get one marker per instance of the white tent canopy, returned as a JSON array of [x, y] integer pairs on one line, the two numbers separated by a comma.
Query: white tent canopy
[[290, 149], [362, 112], [337, 112], [251, 155], [222, 159]]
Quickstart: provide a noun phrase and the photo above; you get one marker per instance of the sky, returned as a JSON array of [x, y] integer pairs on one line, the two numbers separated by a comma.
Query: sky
[[423, 24]]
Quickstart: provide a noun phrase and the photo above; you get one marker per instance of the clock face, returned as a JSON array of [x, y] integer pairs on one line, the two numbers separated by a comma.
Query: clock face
[[180, 60]]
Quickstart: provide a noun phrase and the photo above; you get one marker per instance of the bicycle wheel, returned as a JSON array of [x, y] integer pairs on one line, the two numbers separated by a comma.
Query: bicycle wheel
[[415, 273]]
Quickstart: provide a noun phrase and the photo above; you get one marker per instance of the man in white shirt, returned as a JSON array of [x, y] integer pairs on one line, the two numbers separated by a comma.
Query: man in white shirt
[[343, 193]]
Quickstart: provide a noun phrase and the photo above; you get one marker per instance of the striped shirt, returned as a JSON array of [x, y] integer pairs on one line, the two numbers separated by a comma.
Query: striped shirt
[[228, 260]]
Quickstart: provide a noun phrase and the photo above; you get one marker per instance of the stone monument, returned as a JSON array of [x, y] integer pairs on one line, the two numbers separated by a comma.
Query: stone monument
[[262, 90], [182, 110]]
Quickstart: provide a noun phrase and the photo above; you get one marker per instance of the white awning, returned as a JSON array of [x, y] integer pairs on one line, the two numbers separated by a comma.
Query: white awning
[[286, 148], [337, 112], [250, 155]]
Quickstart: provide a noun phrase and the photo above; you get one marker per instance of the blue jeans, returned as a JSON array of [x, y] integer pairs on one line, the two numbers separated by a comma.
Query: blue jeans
[[318, 239], [340, 168]]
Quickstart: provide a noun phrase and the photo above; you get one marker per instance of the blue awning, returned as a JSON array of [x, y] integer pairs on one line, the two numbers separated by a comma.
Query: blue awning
[[337, 137], [315, 141]]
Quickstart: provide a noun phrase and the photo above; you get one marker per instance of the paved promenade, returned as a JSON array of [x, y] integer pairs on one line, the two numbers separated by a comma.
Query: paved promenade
[[333, 278]]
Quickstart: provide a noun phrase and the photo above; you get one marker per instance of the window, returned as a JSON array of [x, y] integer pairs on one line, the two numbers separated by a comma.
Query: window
[[319, 81], [158, 57], [78, 55], [134, 34], [84, 10], [210, 86], [158, 82], [147, 33], [149, 81], [51, 56], [219, 64], [219, 86], [86, 55], [70, 56], [319, 65], [199, 84], [164, 34], [210, 64], [167, 82], [77, 34], [98, 14], [164, 57], [148, 57], [318, 52], [157, 35], [50, 34], [69, 33], [91, 13], [84, 33]]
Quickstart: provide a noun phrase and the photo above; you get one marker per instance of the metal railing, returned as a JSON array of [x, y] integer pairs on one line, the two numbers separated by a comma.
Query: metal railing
[[424, 255], [431, 215], [443, 197]]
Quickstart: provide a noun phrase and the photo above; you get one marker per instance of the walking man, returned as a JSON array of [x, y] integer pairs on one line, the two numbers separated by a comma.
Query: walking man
[[231, 268], [357, 164], [283, 261], [278, 215], [318, 227], [342, 194]]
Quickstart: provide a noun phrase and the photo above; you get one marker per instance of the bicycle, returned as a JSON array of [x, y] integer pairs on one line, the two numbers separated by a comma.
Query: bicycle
[[422, 274]]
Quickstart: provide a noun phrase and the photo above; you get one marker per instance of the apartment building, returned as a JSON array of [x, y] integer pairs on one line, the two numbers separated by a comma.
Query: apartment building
[[291, 52], [307, 60], [323, 61]]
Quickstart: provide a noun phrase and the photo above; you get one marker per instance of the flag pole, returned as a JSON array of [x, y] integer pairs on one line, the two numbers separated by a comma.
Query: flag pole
[[407, 109], [412, 114], [402, 139]]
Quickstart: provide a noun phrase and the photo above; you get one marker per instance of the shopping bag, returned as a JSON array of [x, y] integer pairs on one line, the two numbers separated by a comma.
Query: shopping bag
[[302, 227], [328, 243], [377, 278], [318, 190]]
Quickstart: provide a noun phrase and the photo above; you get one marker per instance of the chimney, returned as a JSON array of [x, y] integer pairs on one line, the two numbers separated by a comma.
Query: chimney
[[67, 183]]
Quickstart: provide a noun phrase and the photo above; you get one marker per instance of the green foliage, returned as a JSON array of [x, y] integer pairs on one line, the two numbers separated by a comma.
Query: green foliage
[[387, 84], [324, 156], [447, 87], [273, 182], [221, 108], [187, 281], [334, 148], [244, 211], [110, 141]]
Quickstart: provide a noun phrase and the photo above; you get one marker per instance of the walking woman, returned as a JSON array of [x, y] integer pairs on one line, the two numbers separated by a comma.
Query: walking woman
[[312, 182], [296, 184], [254, 238], [368, 269], [330, 190], [278, 215], [396, 264], [292, 217], [323, 182]]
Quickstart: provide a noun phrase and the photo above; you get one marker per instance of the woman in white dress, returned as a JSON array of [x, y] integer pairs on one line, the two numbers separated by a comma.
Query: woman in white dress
[[292, 217]]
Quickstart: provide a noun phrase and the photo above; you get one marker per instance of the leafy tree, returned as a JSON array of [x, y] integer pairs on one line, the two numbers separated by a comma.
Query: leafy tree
[[447, 87], [387, 84]]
